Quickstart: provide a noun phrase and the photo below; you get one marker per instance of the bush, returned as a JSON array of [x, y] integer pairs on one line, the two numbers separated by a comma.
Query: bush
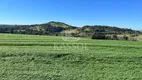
[[99, 36], [134, 35], [109, 37], [133, 39], [82, 35], [112, 37], [115, 37], [120, 37], [125, 37]]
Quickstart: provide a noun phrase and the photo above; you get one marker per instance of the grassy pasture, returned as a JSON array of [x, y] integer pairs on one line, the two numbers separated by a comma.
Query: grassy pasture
[[29, 57]]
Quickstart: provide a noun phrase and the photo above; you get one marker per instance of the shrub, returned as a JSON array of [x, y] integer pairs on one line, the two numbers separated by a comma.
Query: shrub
[[134, 35], [112, 37], [99, 36], [115, 37], [125, 37], [82, 34], [132, 39], [109, 37], [120, 37]]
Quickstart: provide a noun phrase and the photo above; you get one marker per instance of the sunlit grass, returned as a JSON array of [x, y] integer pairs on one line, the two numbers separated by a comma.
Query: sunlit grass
[[29, 57]]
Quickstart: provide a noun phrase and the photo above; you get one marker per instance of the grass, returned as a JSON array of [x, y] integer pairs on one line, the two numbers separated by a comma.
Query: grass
[[28, 57]]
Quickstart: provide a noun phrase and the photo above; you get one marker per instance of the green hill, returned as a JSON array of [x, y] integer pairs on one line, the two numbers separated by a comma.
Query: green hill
[[57, 28], [50, 28], [108, 29]]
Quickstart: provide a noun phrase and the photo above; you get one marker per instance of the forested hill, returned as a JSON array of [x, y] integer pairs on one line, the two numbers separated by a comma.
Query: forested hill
[[108, 29], [50, 28], [56, 28]]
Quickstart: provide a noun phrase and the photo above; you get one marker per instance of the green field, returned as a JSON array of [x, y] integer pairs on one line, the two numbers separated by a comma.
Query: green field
[[28, 57]]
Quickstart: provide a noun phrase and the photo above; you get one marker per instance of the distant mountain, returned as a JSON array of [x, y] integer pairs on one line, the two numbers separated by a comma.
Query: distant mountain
[[50, 28], [59, 28], [108, 29], [59, 24]]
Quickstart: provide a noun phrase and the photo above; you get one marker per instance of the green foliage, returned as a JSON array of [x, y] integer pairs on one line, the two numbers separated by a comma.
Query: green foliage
[[115, 37], [99, 36], [134, 35], [125, 37]]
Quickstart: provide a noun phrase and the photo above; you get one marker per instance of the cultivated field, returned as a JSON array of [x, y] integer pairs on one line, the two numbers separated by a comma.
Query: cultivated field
[[27, 57]]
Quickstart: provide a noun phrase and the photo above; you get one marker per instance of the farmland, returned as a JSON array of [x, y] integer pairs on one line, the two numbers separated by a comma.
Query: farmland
[[33, 57]]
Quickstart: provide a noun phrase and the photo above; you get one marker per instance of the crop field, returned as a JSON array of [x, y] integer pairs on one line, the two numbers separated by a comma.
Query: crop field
[[30, 57]]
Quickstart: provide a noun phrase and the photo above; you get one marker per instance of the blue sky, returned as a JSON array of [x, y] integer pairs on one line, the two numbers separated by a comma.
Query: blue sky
[[121, 13]]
